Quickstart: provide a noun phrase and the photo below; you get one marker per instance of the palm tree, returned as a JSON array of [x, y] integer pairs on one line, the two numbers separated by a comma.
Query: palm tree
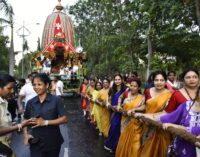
[[7, 9]]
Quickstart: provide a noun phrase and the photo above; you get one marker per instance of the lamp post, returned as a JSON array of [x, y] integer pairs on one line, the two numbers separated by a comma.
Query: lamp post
[[23, 32]]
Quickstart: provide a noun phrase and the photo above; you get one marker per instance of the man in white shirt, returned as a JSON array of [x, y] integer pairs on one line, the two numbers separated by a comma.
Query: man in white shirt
[[68, 73], [75, 69], [59, 86], [27, 92], [62, 70]]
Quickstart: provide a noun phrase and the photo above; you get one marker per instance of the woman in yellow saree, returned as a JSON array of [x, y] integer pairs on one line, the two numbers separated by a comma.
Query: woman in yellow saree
[[89, 96], [105, 114], [96, 110], [131, 129], [156, 140]]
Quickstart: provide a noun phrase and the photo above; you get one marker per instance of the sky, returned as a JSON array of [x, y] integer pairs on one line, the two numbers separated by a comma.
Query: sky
[[31, 12]]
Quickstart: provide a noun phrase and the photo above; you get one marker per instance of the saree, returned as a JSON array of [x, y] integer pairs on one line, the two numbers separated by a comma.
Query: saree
[[189, 118], [130, 139], [96, 111], [157, 140], [84, 102], [105, 114], [114, 132], [89, 93]]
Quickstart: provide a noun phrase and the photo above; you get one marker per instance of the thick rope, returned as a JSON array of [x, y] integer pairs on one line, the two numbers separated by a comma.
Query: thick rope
[[177, 132]]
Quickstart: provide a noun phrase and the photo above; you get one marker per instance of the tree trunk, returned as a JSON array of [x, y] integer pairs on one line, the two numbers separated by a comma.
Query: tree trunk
[[149, 57], [197, 5], [11, 53]]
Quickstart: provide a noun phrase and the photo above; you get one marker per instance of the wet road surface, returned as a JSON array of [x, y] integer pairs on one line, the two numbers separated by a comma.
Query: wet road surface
[[84, 140], [81, 137]]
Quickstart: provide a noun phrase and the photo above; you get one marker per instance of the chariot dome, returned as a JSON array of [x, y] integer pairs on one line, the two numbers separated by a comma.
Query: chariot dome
[[58, 31]]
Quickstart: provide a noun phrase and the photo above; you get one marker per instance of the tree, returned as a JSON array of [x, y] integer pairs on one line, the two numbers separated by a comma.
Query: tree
[[117, 34], [4, 52], [8, 12]]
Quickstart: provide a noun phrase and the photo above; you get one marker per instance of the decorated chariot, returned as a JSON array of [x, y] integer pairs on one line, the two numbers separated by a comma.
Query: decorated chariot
[[60, 55]]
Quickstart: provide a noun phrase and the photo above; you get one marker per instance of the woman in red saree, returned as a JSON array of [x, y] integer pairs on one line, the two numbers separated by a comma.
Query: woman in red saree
[[190, 78]]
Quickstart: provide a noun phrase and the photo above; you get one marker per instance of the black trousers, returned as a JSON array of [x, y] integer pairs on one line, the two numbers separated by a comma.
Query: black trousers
[[36, 151]]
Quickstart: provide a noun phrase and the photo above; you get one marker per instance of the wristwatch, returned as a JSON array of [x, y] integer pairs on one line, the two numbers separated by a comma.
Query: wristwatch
[[46, 122]]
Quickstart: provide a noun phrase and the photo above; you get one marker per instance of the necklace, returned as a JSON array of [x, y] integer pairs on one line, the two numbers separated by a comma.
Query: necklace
[[156, 92], [189, 95], [131, 97]]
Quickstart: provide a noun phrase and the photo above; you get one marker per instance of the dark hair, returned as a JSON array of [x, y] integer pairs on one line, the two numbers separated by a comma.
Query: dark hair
[[135, 73], [92, 80], [97, 83], [169, 72], [5, 79], [106, 80], [85, 78], [22, 80], [43, 77], [34, 73], [113, 90], [159, 73], [139, 83], [186, 71], [29, 75]]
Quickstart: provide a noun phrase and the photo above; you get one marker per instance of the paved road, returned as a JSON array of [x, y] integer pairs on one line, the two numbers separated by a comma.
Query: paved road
[[81, 138]]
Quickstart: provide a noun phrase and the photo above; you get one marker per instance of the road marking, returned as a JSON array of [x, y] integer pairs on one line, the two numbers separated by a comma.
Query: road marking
[[66, 152]]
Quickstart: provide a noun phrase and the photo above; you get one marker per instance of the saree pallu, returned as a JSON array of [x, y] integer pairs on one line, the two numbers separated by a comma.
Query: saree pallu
[[157, 140], [130, 139], [115, 127], [105, 114]]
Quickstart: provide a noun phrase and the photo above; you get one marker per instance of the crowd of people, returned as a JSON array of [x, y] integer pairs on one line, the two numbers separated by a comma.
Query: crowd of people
[[71, 68], [163, 98], [40, 114]]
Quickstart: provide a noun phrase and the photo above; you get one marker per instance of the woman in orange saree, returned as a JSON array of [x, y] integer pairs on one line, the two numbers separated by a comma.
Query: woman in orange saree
[[84, 101], [105, 114], [156, 140], [130, 139]]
